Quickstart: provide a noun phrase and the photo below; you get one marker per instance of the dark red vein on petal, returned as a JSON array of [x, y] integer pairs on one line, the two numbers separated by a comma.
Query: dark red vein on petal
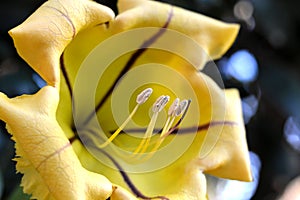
[[67, 18], [127, 180], [186, 130], [54, 153], [124, 175], [131, 62], [202, 127], [65, 74]]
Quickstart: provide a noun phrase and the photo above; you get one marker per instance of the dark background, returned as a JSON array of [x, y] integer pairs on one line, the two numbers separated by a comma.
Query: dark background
[[270, 33]]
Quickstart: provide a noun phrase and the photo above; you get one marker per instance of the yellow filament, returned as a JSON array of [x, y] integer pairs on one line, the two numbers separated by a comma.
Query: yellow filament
[[167, 127], [155, 148], [116, 133], [147, 135], [162, 137]]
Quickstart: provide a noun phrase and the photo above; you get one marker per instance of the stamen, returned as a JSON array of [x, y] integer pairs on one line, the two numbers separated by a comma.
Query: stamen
[[181, 118], [173, 107], [157, 107], [171, 116], [160, 103], [144, 95], [141, 98], [179, 110], [182, 107]]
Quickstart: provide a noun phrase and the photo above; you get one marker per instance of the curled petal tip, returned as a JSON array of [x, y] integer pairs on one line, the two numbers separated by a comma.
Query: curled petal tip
[[42, 38]]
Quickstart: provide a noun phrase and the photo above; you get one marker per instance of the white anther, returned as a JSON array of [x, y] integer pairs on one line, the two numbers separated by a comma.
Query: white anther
[[173, 107], [182, 107], [160, 103], [144, 95]]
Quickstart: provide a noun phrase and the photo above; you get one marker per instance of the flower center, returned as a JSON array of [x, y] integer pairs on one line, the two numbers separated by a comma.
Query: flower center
[[176, 112]]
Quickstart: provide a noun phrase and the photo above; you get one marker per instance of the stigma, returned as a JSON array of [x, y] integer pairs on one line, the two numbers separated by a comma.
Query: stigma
[[175, 113]]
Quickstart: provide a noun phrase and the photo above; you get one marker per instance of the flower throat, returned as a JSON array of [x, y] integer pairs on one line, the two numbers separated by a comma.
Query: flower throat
[[176, 113]]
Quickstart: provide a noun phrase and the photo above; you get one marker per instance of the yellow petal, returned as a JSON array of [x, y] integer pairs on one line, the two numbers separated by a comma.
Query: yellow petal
[[41, 39], [230, 157], [214, 36], [121, 194], [52, 169]]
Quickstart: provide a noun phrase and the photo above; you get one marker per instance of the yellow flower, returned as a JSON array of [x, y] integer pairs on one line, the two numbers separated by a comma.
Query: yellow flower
[[106, 68]]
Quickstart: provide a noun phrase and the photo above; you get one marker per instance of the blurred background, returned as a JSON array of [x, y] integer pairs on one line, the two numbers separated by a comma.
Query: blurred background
[[264, 64]]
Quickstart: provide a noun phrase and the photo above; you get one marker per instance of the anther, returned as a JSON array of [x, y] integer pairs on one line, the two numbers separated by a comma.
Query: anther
[[173, 107], [182, 107], [160, 103], [144, 95]]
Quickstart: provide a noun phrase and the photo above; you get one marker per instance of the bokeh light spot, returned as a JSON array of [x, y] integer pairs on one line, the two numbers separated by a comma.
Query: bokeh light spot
[[241, 66], [249, 105], [243, 10], [292, 132]]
